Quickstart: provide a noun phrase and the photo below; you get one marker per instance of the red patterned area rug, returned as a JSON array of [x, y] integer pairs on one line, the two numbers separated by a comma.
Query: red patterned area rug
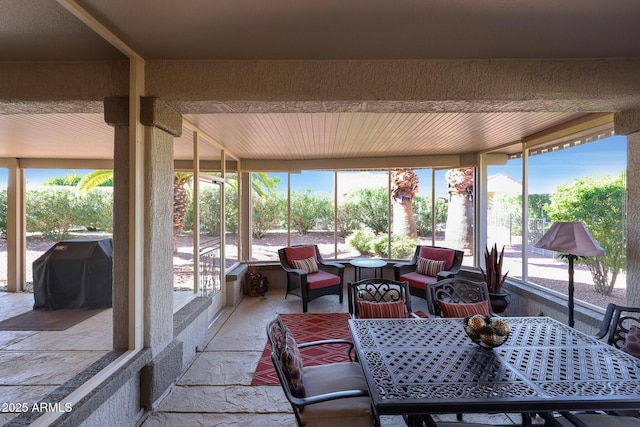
[[307, 327]]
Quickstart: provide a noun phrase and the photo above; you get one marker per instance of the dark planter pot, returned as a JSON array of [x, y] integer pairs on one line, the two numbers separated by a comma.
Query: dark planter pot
[[258, 284], [499, 302]]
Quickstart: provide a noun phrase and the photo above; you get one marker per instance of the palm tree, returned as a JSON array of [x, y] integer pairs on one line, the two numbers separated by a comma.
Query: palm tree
[[459, 231], [181, 202], [404, 187], [181, 198], [262, 185]]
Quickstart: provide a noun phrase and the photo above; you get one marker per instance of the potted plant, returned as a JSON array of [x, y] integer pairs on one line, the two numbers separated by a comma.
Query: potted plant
[[495, 279]]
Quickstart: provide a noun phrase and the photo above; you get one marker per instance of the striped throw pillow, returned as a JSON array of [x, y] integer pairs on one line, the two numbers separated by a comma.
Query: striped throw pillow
[[450, 309], [308, 264], [381, 310], [429, 267]]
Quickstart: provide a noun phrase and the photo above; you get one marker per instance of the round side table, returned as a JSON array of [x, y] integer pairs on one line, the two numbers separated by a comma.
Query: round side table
[[360, 263]]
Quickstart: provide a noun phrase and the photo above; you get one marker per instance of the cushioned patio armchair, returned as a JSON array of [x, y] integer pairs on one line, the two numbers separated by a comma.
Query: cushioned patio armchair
[[308, 275], [428, 265]]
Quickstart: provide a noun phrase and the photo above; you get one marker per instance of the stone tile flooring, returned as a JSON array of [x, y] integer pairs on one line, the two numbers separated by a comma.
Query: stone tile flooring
[[33, 364], [215, 390]]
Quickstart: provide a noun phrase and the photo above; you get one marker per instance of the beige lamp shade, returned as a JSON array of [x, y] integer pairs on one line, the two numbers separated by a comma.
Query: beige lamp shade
[[570, 238]]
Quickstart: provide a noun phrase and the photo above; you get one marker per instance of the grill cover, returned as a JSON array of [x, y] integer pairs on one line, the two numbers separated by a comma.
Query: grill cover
[[76, 273]]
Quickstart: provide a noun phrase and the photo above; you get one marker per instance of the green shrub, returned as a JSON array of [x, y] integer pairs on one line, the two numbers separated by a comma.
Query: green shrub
[[401, 246], [368, 243], [361, 240], [374, 205], [349, 218], [209, 211], [422, 214], [309, 211], [95, 210], [51, 211], [3, 212], [268, 213]]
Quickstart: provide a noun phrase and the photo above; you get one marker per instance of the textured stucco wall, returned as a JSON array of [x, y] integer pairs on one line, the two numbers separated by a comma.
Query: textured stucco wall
[[404, 86]]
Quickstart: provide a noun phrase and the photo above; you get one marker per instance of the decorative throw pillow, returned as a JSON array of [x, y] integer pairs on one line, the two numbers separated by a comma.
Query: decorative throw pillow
[[291, 361], [632, 342], [381, 310], [450, 309], [310, 265], [429, 267]]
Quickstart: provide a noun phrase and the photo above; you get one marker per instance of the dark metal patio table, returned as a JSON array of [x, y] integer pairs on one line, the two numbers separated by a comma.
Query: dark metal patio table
[[430, 366]]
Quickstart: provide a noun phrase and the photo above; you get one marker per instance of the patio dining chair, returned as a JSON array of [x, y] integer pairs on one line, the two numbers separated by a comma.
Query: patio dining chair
[[333, 394], [617, 323], [458, 297], [619, 328], [379, 298]]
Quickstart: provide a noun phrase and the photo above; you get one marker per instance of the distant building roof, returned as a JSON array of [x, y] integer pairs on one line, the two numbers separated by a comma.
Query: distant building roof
[[503, 183]]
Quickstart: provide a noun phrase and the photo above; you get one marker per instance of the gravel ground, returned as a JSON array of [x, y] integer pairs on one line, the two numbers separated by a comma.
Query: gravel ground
[[540, 269]]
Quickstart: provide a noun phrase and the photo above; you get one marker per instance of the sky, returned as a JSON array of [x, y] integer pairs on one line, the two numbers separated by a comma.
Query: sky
[[546, 172]]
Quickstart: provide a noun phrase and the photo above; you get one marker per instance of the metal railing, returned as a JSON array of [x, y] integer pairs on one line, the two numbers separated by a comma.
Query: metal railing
[[209, 259]]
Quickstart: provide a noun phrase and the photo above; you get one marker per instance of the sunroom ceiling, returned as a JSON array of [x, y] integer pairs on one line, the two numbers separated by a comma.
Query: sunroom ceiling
[[362, 135], [47, 30]]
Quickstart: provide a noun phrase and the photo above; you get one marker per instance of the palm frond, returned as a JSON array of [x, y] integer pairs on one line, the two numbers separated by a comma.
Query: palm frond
[[94, 179]]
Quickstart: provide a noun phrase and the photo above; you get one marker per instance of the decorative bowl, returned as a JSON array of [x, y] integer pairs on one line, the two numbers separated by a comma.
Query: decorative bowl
[[485, 332]]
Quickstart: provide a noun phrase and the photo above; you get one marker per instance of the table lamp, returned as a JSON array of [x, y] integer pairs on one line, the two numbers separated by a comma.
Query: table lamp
[[573, 240]]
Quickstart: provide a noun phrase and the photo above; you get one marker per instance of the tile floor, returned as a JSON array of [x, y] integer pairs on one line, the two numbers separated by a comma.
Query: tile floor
[[35, 363], [215, 390]]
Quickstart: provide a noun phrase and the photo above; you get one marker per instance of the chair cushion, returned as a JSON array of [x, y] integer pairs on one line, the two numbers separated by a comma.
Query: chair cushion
[[632, 342], [429, 267], [450, 309], [381, 310], [322, 279], [291, 361], [418, 280], [602, 420], [353, 411], [299, 252], [310, 265], [438, 254]]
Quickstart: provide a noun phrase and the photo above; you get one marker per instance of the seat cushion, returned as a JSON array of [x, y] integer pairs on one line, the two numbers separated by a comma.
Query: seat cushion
[[291, 362], [354, 411], [632, 342], [438, 254], [381, 310], [322, 279], [417, 280], [602, 420], [451, 309], [310, 265], [429, 267]]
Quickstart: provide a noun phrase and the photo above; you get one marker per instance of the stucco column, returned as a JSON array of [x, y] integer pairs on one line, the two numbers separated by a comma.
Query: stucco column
[[628, 123], [116, 114], [161, 125]]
